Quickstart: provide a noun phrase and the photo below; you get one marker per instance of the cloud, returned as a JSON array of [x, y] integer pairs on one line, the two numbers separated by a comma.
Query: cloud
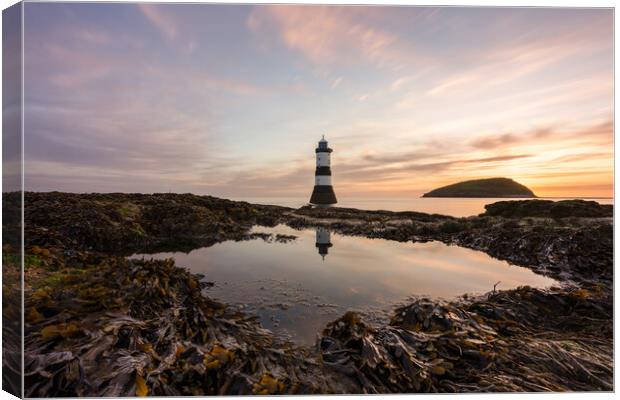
[[602, 130], [331, 34], [162, 21], [586, 156], [390, 158], [101, 119], [73, 79], [393, 167], [336, 82], [497, 158], [93, 36], [521, 56], [398, 83], [492, 142]]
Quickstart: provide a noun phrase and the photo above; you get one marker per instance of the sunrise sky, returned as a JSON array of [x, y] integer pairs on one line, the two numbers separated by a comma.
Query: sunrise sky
[[231, 100]]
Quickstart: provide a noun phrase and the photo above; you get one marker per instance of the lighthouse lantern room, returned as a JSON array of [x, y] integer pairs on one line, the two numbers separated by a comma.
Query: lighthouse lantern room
[[323, 193]]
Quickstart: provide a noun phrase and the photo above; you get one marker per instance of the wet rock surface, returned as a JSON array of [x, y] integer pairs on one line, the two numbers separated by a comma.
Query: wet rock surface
[[549, 209], [125, 223], [100, 324]]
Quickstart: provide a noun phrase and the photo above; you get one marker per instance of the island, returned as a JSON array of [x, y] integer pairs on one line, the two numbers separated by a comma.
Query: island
[[493, 187]]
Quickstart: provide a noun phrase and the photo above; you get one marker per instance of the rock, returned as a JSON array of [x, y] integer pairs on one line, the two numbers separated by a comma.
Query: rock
[[549, 209]]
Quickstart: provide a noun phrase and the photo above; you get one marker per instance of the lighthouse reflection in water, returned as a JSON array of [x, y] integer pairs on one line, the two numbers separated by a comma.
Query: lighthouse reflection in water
[[323, 241]]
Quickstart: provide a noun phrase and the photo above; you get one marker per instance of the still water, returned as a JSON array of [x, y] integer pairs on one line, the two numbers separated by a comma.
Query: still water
[[296, 286], [456, 207]]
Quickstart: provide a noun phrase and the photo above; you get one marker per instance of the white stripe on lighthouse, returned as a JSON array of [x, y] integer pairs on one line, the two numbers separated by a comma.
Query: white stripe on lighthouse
[[323, 180], [322, 159]]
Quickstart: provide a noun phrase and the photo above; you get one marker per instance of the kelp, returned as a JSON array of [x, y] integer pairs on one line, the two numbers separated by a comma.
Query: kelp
[[12, 319], [506, 342], [143, 327]]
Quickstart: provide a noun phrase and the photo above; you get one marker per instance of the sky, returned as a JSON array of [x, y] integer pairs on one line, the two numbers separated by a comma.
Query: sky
[[230, 100]]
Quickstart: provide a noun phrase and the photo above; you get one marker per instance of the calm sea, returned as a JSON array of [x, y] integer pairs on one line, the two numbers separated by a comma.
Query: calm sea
[[457, 207]]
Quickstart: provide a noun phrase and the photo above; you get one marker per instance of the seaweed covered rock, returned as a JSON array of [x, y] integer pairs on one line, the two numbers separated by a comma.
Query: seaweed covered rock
[[143, 327], [519, 340], [341, 213], [582, 253], [119, 222], [549, 209], [12, 319]]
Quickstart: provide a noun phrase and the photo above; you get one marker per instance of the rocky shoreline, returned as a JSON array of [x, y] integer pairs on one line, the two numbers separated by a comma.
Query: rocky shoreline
[[99, 324]]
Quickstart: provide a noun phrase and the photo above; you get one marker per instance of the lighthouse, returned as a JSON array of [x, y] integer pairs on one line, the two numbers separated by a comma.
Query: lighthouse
[[323, 193], [323, 241]]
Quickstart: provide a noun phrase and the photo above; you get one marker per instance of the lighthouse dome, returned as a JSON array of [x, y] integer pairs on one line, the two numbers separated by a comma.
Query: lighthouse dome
[[323, 146]]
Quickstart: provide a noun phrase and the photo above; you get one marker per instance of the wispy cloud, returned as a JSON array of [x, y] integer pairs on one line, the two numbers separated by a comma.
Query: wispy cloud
[[510, 63], [331, 34], [92, 36], [336, 82], [407, 163], [158, 17], [602, 130]]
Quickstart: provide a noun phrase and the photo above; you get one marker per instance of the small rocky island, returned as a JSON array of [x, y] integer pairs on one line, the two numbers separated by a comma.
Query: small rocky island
[[493, 187]]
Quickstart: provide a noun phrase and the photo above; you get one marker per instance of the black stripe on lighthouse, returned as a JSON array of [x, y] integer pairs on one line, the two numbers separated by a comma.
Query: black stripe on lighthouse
[[323, 193], [323, 171]]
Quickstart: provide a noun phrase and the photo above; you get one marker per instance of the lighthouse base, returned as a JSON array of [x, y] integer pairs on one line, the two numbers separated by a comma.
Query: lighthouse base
[[322, 195]]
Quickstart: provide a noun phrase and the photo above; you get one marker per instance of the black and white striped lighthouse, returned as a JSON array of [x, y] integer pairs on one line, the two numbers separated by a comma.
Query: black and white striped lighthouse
[[323, 193]]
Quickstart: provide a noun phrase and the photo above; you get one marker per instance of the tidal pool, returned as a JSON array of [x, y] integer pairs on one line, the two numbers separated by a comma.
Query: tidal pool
[[296, 286]]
